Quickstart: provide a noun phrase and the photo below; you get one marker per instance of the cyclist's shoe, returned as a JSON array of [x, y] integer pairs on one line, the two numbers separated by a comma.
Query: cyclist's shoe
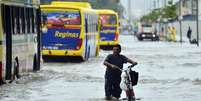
[[108, 98], [133, 99], [115, 98], [111, 98]]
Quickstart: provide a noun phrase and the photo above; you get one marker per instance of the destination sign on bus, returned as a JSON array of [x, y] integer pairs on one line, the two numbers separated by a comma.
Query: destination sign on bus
[[63, 18]]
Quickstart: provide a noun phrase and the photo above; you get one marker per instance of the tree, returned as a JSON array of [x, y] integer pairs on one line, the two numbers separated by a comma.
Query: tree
[[169, 12], [98, 4]]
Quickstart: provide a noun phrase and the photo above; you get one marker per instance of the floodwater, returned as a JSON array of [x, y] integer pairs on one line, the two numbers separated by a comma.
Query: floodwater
[[169, 71]]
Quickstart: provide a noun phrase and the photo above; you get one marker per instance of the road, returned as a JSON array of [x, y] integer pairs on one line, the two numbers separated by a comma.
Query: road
[[169, 71]]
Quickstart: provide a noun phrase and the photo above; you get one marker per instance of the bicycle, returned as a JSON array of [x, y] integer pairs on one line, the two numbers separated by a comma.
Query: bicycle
[[129, 78]]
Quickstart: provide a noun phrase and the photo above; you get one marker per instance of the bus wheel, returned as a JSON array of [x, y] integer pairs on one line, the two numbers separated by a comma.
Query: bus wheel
[[1, 78], [16, 68], [2, 82], [97, 51], [35, 62], [88, 53]]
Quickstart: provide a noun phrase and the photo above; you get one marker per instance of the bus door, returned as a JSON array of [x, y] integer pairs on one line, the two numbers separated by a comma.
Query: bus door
[[87, 32], [38, 40], [7, 22]]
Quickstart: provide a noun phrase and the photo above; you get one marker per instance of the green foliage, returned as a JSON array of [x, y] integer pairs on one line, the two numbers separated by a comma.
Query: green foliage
[[98, 4], [152, 16], [108, 4], [169, 12], [105, 4]]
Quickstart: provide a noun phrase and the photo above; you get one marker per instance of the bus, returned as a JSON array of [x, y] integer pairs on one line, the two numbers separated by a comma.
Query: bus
[[109, 28], [19, 39], [69, 32]]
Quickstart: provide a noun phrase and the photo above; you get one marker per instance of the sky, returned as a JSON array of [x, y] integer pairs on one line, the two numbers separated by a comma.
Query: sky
[[141, 7]]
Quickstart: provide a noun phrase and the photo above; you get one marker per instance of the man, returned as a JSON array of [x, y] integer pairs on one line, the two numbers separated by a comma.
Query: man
[[114, 62], [189, 34]]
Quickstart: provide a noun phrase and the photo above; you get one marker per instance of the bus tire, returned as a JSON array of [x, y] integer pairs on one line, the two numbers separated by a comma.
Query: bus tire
[[16, 68], [2, 82], [1, 77], [88, 53], [35, 62], [97, 51]]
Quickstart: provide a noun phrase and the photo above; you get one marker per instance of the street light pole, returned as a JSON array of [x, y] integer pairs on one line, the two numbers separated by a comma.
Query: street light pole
[[164, 3], [129, 10], [180, 19], [129, 16], [197, 21]]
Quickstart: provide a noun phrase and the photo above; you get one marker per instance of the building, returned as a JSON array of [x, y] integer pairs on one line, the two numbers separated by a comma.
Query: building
[[188, 12], [188, 8]]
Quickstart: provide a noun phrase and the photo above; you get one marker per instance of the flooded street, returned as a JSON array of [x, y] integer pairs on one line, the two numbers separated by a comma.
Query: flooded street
[[169, 71]]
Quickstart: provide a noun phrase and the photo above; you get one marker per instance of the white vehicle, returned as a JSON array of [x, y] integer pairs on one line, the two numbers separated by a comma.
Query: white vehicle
[[147, 31]]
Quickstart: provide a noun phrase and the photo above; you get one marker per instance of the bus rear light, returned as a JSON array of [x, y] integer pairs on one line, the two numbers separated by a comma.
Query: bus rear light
[[116, 36], [79, 44]]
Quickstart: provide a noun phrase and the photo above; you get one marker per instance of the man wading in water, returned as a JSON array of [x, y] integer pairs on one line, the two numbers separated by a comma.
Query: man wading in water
[[114, 62]]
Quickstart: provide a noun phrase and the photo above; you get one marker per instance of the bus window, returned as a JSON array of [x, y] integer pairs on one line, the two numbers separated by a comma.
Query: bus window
[[12, 19], [25, 20], [33, 20], [108, 19], [7, 16], [28, 19], [22, 20], [17, 20], [63, 18], [86, 25]]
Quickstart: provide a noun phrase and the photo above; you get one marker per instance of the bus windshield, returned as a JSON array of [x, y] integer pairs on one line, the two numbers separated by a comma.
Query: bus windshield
[[63, 18], [108, 19]]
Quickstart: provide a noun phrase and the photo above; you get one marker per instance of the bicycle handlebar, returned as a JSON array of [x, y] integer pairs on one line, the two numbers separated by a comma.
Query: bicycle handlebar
[[129, 67], [132, 65]]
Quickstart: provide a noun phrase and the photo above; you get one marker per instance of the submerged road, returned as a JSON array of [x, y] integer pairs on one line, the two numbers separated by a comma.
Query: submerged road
[[169, 71]]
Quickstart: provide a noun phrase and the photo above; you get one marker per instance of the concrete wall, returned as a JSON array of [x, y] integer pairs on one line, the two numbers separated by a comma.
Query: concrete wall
[[185, 25]]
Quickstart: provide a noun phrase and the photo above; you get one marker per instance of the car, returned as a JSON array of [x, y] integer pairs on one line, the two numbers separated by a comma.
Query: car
[[147, 31]]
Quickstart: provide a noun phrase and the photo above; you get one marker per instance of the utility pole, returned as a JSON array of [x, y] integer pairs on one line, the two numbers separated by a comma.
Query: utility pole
[[197, 21], [154, 4], [129, 16], [129, 10], [165, 3], [180, 20]]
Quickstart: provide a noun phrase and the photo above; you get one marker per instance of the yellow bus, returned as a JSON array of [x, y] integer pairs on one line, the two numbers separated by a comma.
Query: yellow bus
[[79, 4], [69, 31], [109, 28], [19, 39]]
